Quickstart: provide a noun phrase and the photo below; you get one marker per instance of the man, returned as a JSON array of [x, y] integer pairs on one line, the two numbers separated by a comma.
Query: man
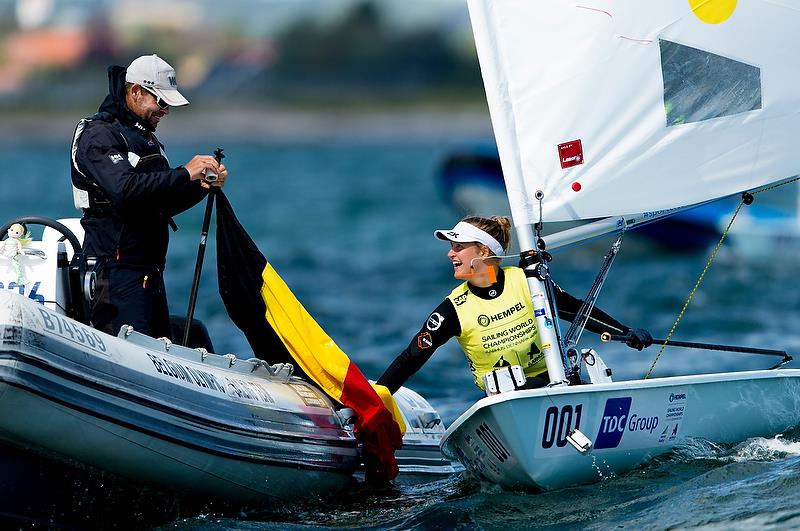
[[123, 183]]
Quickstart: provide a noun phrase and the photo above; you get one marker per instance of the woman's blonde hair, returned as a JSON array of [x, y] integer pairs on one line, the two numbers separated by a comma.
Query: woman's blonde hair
[[498, 227]]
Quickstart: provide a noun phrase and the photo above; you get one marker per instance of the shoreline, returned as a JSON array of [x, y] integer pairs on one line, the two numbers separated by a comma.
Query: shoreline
[[277, 126]]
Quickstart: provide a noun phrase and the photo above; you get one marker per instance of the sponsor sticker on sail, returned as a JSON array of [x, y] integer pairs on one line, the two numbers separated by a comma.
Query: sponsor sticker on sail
[[570, 153]]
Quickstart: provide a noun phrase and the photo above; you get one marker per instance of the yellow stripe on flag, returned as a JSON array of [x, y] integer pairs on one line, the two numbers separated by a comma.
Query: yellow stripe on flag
[[316, 353], [302, 336], [388, 401]]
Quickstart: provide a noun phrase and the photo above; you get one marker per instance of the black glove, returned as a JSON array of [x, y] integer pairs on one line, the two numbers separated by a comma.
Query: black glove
[[638, 338]]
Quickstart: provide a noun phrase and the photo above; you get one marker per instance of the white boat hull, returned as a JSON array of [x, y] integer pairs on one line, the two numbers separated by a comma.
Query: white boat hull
[[518, 439]]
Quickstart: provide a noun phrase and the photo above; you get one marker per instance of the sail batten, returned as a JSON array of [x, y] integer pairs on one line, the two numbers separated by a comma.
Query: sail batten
[[614, 108]]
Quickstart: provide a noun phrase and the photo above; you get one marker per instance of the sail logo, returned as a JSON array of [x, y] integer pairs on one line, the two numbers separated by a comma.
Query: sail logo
[[612, 425], [670, 433], [570, 153]]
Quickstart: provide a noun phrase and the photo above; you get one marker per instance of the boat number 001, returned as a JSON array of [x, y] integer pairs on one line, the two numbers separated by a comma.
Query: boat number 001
[[558, 423]]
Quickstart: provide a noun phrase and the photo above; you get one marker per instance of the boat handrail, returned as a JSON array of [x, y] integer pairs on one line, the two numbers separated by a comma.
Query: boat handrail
[[200, 355]]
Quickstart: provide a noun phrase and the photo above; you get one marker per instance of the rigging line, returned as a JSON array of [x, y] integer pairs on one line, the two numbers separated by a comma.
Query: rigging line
[[708, 265], [573, 335], [694, 290], [797, 178]]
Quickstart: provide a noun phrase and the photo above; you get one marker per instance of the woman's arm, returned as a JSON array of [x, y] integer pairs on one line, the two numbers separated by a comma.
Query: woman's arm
[[441, 325]]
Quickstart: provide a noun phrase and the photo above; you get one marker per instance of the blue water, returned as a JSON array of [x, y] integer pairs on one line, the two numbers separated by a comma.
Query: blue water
[[349, 226]]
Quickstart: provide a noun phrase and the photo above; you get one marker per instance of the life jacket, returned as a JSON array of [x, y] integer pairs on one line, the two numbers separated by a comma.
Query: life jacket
[[499, 332], [136, 234], [145, 154]]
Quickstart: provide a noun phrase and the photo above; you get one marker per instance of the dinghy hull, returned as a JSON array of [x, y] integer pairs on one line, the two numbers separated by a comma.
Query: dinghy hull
[[519, 439]]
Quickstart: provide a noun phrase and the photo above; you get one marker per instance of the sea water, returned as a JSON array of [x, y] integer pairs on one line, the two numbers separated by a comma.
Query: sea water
[[350, 228]]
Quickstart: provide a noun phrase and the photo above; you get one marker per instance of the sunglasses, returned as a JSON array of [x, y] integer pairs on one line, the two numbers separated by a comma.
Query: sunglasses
[[161, 103]]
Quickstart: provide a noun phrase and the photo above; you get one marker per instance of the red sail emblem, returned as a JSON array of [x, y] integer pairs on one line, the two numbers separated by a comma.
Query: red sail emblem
[[570, 153]]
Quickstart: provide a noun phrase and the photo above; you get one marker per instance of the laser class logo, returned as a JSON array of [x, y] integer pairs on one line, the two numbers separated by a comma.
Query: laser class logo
[[570, 154]]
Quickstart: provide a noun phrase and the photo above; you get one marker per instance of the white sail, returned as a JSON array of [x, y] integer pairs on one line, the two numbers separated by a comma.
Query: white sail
[[617, 107]]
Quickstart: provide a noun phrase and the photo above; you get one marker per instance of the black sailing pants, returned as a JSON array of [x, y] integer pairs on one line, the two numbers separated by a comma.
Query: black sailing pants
[[130, 295]]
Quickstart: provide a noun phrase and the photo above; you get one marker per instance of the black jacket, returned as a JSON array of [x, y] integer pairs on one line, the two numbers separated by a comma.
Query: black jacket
[[133, 192]]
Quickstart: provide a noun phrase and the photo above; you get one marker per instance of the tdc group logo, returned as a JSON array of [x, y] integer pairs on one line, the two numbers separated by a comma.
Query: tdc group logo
[[612, 425]]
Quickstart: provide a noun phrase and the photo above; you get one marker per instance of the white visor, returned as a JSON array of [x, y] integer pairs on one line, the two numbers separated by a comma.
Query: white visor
[[465, 232]]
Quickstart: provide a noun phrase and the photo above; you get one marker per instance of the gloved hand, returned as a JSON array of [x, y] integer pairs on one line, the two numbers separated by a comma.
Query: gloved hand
[[638, 338]]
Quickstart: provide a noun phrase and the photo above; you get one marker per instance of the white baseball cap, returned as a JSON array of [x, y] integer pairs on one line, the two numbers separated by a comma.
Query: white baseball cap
[[156, 75]]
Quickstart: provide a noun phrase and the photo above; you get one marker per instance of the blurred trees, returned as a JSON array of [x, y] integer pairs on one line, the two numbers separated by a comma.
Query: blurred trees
[[359, 59], [364, 56]]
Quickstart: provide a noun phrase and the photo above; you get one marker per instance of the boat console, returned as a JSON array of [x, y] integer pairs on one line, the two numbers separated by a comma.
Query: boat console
[[49, 270]]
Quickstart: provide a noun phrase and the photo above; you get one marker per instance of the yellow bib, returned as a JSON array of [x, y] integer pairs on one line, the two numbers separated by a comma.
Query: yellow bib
[[500, 331]]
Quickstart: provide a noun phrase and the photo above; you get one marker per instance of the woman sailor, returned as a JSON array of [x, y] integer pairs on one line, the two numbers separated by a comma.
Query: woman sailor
[[490, 313]]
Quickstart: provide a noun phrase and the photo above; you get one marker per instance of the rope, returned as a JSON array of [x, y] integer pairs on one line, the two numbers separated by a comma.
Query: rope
[[705, 269], [790, 181]]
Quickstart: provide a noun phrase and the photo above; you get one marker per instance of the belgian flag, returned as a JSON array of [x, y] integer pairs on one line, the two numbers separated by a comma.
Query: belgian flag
[[279, 329]]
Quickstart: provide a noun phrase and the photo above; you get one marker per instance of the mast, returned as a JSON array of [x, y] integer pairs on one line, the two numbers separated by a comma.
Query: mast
[[534, 262]]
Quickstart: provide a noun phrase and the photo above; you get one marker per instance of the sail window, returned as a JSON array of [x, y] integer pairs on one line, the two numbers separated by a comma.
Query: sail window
[[700, 85]]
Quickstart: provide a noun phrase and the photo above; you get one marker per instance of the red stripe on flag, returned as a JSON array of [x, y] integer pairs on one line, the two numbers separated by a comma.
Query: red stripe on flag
[[358, 394], [375, 428]]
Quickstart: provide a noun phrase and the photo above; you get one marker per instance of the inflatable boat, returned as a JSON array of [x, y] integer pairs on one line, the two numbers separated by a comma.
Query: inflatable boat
[[181, 419]]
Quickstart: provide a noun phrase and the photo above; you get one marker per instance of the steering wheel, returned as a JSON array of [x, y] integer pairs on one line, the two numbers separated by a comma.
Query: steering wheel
[[46, 222]]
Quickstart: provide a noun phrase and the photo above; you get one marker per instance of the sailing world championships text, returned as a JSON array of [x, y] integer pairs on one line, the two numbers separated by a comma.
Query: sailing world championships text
[[498, 340]]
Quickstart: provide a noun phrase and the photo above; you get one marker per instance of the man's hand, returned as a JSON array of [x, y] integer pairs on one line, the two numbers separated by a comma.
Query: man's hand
[[219, 182], [200, 165]]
